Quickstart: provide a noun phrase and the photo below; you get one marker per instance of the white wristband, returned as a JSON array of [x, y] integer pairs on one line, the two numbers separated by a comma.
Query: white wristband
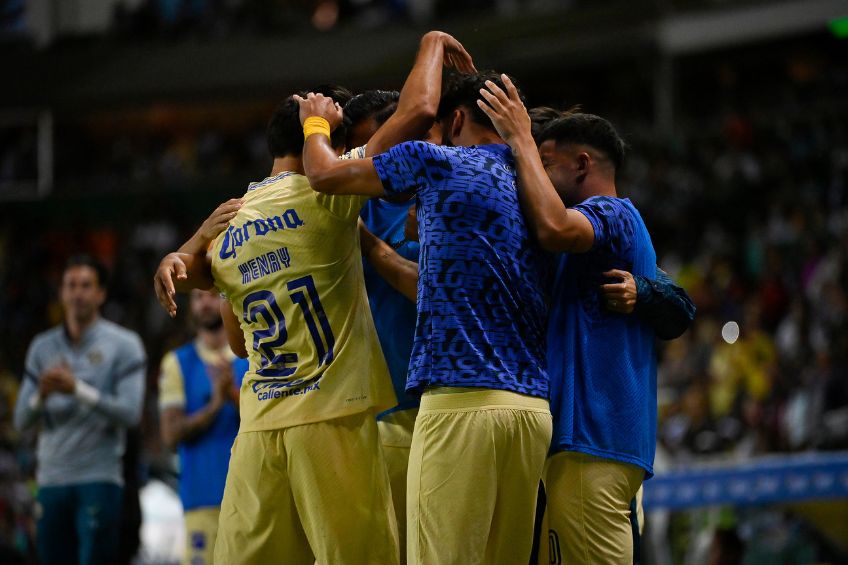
[[86, 393]]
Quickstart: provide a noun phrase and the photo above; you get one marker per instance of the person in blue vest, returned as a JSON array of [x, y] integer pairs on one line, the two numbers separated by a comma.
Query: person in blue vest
[[198, 403]]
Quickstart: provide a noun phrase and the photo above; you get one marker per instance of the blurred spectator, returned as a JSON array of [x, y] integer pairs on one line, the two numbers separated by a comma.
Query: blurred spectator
[[198, 402], [83, 384]]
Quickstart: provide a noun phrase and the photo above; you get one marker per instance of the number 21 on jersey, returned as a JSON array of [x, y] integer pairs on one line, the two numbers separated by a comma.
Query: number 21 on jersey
[[261, 308]]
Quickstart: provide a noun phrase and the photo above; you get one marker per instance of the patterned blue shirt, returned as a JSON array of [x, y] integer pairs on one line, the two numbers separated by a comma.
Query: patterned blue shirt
[[481, 308]]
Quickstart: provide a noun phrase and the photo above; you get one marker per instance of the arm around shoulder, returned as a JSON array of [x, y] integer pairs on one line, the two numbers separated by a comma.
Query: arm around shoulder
[[235, 336]]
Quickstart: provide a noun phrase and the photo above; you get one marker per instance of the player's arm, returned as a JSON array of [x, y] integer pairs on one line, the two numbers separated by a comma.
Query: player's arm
[[121, 403], [175, 425], [235, 337], [399, 272], [32, 395], [556, 227], [31, 398], [419, 98], [660, 303], [178, 428], [211, 227], [326, 172], [181, 272]]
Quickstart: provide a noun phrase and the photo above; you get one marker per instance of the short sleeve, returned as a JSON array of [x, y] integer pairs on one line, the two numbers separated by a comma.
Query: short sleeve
[[345, 206], [171, 388], [612, 222], [410, 165]]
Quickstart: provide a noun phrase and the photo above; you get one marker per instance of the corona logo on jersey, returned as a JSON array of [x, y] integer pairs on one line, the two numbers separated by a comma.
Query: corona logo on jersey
[[236, 236]]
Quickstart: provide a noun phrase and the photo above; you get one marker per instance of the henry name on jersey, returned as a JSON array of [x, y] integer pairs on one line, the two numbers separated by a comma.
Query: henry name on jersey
[[267, 263]]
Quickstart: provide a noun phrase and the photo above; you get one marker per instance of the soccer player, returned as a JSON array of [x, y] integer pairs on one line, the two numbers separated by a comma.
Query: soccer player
[[483, 428], [660, 303], [198, 403], [84, 386], [306, 479], [381, 119], [394, 312], [602, 364]]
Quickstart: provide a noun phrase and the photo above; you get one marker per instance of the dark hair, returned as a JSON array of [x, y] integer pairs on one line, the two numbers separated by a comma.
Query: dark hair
[[284, 132], [86, 260], [379, 104], [540, 116], [586, 129], [464, 90]]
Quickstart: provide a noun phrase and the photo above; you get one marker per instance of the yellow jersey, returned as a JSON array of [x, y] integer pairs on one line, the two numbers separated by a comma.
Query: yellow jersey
[[291, 267]]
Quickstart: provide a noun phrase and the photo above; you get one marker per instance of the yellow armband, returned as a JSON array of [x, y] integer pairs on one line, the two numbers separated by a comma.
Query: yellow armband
[[315, 124]]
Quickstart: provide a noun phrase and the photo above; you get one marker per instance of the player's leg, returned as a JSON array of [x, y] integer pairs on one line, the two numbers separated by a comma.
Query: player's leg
[[637, 524], [452, 487], [525, 437], [396, 438], [258, 523], [589, 507], [547, 548], [201, 530], [98, 521], [342, 492], [56, 536]]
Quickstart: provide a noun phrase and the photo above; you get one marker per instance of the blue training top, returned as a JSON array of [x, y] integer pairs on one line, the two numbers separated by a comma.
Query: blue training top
[[394, 314], [205, 459], [603, 364], [481, 309]]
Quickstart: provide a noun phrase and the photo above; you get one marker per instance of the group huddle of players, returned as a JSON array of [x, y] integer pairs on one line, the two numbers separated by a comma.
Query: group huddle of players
[[501, 327]]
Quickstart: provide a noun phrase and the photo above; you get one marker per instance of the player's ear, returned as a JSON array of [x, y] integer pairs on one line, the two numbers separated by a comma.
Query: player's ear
[[457, 121], [584, 161]]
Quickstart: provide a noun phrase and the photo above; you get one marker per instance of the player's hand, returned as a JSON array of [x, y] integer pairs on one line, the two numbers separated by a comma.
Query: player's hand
[[455, 56], [58, 379], [620, 297], [318, 105], [222, 382], [506, 111], [220, 218], [172, 266], [46, 384]]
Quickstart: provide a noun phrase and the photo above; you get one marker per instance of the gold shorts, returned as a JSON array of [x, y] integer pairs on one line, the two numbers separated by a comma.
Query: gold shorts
[[474, 467], [587, 519], [312, 492]]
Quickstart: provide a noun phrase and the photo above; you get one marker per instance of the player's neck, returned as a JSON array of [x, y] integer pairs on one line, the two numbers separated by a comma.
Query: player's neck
[[598, 187], [76, 327], [287, 164], [474, 134], [212, 339]]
